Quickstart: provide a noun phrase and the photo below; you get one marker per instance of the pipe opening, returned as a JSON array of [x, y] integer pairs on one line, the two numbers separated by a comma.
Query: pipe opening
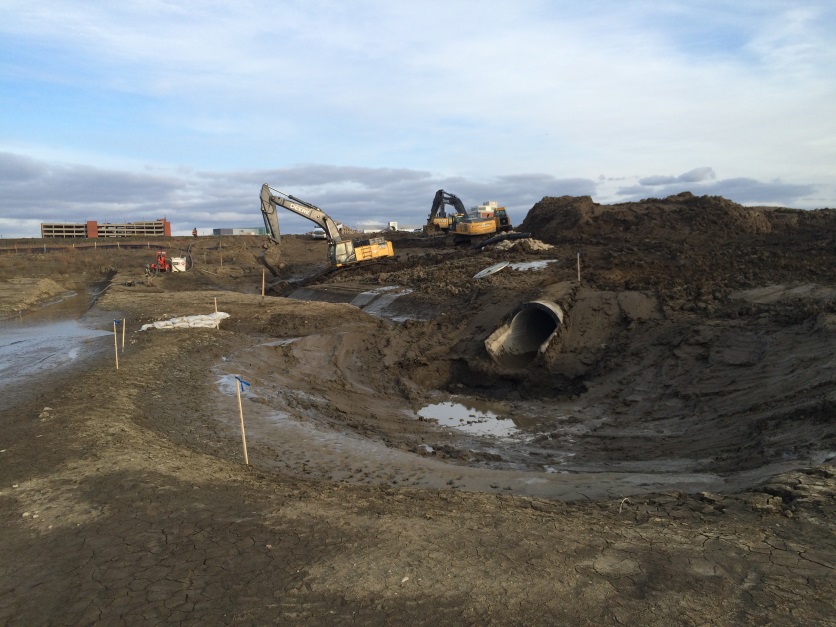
[[517, 344]]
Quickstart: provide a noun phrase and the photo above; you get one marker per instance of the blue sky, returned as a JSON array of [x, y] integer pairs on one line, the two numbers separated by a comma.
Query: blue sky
[[138, 110]]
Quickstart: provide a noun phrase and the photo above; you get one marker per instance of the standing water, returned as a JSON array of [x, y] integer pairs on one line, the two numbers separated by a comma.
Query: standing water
[[34, 345]]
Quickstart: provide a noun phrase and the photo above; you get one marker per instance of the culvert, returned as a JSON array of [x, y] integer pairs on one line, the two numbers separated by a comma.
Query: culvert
[[517, 344]]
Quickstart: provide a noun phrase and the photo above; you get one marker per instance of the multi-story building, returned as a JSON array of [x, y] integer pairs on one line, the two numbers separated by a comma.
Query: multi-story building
[[92, 229]]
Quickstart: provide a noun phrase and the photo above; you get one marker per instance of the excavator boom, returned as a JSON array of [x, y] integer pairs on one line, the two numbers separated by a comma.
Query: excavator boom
[[270, 201], [340, 252]]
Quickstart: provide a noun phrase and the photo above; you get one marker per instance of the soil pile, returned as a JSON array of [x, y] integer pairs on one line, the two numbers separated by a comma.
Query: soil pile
[[676, 218]]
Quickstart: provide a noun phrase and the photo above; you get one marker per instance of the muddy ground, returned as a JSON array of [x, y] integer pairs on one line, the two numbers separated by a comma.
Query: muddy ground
[[667, 458]]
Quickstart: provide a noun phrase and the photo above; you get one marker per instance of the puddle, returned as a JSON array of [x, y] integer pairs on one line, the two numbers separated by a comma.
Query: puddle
[[525, 266], [68, 306], [38, 343], [30, 351], [468, 419]]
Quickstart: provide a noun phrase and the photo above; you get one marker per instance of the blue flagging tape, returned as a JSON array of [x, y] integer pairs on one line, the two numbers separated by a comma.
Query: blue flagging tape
[[117, 322], [242, 382]]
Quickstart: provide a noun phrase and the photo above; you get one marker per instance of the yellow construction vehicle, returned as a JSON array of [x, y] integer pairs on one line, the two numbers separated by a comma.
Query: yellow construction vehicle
[[438, 221], [466, 227], [470, 226], [340, 252], [498, 214]]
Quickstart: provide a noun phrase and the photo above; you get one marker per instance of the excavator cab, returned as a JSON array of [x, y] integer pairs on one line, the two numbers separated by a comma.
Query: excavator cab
[[503, 223], [341, 253], [345, 252]]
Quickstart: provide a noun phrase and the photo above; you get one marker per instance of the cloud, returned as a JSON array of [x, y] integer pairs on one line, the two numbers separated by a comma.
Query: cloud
[[210, 199], [545, 86], [54, 190], [692, 176], [741, 190]]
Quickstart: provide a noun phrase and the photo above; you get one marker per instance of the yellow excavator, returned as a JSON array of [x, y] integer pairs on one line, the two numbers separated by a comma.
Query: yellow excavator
[[340, 252], [466, 227]]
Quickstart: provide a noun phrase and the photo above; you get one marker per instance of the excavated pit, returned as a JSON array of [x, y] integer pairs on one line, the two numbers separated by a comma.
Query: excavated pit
[[518, 343]]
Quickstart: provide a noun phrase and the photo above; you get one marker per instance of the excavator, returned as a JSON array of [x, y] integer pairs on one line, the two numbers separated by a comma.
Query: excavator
[[499, 215], [465, 226], [438, 221], [340, 252]]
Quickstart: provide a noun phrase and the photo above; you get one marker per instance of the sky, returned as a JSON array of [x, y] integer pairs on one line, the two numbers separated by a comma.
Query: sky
[[131, 111]]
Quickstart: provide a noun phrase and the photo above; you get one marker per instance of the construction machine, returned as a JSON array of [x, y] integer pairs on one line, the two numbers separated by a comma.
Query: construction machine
[[164, 263], [490, 209], [438, 221], [464, 225], [340, 252]]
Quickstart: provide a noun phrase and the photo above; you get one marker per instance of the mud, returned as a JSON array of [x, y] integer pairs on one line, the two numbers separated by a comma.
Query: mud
[[665, 458]]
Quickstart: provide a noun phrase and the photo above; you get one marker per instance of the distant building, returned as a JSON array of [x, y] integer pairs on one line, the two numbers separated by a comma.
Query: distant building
[[392, 226], [256, 230], [92, 229]]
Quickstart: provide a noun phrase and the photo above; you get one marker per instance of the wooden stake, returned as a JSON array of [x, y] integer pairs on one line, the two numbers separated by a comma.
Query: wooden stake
[[579, 267], [217, 322], [241, 414], [262, 283], [123, 335], [115, 345]]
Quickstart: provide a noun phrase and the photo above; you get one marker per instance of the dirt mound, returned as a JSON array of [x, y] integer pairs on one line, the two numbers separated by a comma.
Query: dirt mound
[[683, 215]]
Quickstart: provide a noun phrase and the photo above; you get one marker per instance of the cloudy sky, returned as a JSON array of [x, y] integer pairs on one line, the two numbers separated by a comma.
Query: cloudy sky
[[135, 110]]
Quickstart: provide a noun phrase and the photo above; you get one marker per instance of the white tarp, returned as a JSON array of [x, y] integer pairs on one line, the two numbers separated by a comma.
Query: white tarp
[[201, 321]]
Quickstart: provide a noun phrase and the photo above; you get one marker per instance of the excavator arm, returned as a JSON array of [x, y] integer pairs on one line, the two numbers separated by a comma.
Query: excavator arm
[[441, 199], [340, 252], [270, 201]]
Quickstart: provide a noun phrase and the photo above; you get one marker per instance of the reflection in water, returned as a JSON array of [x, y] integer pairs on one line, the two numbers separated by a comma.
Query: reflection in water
[[34, 345], [469, 420], [27, 351]]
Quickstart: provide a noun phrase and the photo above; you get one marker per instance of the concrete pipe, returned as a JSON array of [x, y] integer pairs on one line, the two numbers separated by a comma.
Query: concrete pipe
[[529, 333]]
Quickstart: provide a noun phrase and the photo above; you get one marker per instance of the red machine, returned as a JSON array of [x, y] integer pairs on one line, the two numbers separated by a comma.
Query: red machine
[[162, 264]]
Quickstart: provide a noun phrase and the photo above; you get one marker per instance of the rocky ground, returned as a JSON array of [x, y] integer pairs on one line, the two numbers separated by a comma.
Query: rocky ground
[[672, 461]]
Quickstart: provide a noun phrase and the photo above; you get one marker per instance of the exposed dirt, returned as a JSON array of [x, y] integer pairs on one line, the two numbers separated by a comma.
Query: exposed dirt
[[666, 459]]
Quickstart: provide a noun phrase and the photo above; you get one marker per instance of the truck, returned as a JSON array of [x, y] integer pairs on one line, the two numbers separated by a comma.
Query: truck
[[340, 252]]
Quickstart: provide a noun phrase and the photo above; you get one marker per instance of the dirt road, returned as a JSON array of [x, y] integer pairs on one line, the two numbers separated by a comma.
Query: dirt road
[[666, 459]]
